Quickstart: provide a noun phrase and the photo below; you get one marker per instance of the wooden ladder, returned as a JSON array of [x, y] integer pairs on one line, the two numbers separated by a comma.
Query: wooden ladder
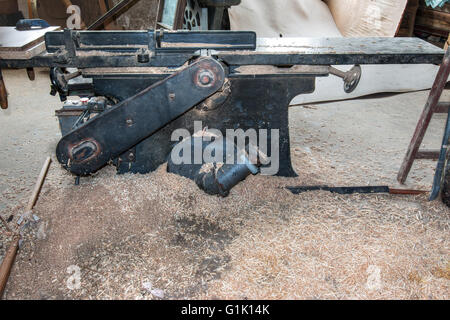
[[432, 106]]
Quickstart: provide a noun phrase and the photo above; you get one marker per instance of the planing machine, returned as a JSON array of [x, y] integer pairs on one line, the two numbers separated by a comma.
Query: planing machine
[[133, 89]]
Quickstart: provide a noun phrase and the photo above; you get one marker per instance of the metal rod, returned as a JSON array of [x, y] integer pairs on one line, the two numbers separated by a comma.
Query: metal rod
[[73, 75], [337, 72], [115, 10]]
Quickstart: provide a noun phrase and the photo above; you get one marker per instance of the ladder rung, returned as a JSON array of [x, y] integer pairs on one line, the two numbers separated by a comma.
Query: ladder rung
[[442, 107], [428, 154]]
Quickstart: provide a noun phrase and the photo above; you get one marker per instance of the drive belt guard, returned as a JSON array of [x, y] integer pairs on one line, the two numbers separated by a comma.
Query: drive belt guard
[[106, 136]]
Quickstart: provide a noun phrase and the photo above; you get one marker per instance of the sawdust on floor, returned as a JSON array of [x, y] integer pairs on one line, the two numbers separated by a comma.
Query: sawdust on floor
[[124, 232], [158, 236]]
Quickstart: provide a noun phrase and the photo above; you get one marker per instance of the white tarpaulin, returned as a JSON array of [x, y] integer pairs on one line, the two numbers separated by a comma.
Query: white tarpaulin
[[356, 18], [312, 18]]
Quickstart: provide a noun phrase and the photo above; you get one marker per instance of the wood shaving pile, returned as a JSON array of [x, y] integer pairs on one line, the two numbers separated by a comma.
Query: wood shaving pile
[[158, 236], [261, 242]]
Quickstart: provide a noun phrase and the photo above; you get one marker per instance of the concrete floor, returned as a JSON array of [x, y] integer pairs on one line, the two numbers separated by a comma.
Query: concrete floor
[[29, 133], [364, 140], [342, 143]]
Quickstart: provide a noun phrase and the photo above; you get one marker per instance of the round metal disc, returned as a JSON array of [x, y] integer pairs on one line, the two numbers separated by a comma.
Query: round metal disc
[[351, 81]]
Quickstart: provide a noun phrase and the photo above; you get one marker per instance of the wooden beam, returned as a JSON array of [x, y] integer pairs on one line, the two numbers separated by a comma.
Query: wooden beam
[[10, 256], [433, 19], [428, 154], [7, 264], [179, 14], [30, 9], [109, 24], [442, 107], [3, 93], [38, 185]]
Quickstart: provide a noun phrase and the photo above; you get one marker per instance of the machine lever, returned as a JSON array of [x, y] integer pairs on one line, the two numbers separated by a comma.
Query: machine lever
[[92, 145], [351, 78]]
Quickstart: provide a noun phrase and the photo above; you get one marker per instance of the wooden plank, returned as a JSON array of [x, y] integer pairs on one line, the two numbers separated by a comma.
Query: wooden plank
[[14, 40], [442, 107], [433, 19], [428, 154], [8, 6], [445, 8], [24, 54], [406, 28]]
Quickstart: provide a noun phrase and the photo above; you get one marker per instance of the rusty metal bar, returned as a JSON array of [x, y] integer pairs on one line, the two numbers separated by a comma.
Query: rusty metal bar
[[424, 121]]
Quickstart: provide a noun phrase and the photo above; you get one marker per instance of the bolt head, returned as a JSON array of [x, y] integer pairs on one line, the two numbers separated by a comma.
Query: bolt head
[[205, 77], [129, 122]]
